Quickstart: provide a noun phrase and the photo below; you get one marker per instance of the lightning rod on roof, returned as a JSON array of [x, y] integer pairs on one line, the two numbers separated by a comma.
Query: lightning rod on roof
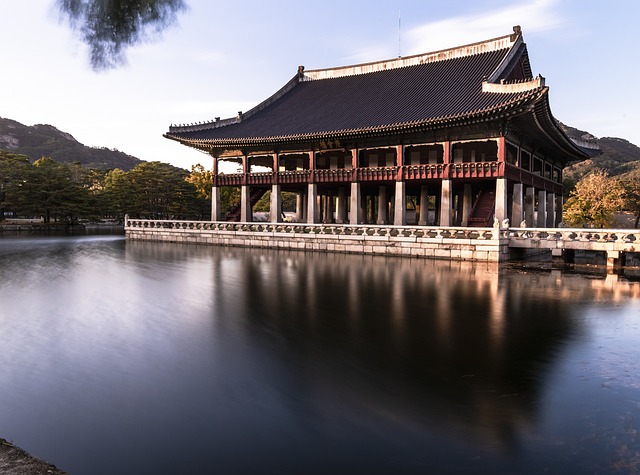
[[399, 35]]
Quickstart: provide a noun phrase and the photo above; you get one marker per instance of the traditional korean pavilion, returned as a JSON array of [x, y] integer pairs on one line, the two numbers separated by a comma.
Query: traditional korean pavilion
[[459, 137]]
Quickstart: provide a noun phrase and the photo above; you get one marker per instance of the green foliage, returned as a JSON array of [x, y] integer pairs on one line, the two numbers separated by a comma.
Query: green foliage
[[13, 169], [119, 195], [288, 202], [49, 191], [161, 191], [229, 198], [203, 181], [631, 184], [63, 192], [594, 201]]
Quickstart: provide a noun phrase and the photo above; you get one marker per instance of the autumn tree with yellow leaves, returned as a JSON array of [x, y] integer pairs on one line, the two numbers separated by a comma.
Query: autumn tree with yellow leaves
[[595, 201]]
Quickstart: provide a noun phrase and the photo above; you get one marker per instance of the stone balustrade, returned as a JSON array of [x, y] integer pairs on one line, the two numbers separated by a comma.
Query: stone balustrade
[[574, 238], [427, 232], [458, 243]]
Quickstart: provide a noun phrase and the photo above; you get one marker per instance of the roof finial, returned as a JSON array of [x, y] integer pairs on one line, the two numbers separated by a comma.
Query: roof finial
[[517, 31]]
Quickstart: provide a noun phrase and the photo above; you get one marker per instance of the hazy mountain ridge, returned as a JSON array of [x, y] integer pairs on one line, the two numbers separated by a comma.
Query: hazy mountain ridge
[[44, 140]]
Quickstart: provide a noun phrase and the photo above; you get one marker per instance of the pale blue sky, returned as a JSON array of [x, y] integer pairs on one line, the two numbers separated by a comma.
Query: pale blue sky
[[224, 57]]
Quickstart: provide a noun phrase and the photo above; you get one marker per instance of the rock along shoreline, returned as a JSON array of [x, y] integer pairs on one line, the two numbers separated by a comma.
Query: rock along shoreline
[[15, 461]]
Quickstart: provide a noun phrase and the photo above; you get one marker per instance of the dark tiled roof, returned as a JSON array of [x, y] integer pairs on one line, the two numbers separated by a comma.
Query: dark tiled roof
[[420, 94]]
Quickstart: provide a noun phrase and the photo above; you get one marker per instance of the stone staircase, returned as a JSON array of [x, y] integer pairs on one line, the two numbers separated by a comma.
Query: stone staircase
[[483, 210], [255, 195]]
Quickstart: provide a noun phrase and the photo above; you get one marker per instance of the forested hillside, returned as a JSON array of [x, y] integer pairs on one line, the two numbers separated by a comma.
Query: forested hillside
[[620, 158], [46, 141]]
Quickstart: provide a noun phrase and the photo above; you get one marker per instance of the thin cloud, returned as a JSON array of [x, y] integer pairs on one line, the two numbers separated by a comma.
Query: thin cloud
[[534, 16]]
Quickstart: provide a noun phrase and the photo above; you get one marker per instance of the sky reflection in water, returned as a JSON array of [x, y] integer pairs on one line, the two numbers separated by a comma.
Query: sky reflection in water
[[129, 357]]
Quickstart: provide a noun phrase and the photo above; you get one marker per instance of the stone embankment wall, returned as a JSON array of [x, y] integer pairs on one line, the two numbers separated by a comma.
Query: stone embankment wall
[[473, 244], [35, 228]]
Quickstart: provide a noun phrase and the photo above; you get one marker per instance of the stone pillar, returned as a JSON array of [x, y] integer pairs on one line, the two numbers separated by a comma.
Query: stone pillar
[[275, 205], [529, 206], [501, 199], [445, 203], [341, 206], [328, 209], [400, 209], [312, 203], [559, 207], [551, 210], [355, 212], [246, 214], [382, 206], [467, 205], [517, 209], [457, 209], [423, 219], [299, 207], [369, 209], [305, 207], [542, 209], [216, 213]]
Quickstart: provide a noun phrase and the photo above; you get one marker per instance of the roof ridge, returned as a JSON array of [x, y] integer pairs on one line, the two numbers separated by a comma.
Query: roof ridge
[[494, 44]]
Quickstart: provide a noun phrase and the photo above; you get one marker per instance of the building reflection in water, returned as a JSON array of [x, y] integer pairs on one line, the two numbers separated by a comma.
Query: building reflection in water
[[461, 348]]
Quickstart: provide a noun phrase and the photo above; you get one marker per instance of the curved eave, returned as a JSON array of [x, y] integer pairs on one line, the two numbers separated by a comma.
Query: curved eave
[[518, 105], [552, 131]]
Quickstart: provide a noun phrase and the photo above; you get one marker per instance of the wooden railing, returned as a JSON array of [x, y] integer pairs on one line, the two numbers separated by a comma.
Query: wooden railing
[[531, 179], [476, 170], [294, 177], [440, 171]]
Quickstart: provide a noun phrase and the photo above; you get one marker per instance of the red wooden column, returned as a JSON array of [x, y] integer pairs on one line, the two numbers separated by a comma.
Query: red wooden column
[[276, 167], [312, 166], [214, 170], [245, 169], [502, 149], [399, 155]]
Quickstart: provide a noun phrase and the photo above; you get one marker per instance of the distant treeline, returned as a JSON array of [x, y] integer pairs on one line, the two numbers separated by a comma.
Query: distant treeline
[[61, 192]]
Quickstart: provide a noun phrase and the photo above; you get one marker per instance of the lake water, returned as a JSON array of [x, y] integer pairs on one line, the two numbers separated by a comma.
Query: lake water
[[144, 358]]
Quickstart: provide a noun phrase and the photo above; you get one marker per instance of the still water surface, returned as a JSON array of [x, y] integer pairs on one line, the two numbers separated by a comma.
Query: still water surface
[[144, 358]]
